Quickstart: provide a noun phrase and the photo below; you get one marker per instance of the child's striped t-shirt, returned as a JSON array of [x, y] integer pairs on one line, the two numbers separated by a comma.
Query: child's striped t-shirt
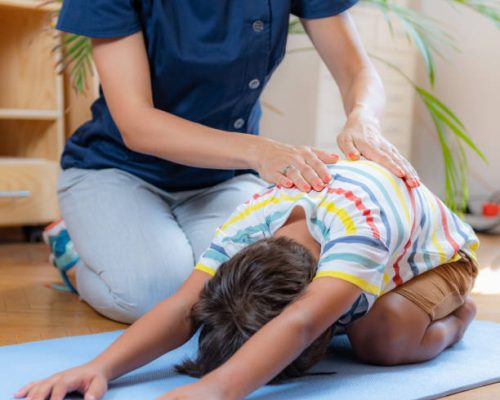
[[374, 231]]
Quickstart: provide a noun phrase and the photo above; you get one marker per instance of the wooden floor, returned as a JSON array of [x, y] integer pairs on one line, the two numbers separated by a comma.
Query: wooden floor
[[30, 310]]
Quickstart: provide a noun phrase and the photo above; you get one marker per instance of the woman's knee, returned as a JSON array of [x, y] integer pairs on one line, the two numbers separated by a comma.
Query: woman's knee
[[126, 300]]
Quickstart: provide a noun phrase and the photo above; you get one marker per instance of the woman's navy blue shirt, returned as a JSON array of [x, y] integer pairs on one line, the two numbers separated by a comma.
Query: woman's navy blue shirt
[[209, 61]]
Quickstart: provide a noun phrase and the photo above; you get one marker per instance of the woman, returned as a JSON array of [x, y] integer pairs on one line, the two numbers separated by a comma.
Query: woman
[[172, 146]]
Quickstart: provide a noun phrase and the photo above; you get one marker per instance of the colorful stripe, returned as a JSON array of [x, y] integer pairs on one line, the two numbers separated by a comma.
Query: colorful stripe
[[218, 248], [205, 268], [397, 276], [243, 235], [257, 206], [354, 258], [343, 215], [387, 197], [355, 239], [444, 221], [425, 210], [435, 225], [374, 200], [356, 280], [366, 212], [215, 255]]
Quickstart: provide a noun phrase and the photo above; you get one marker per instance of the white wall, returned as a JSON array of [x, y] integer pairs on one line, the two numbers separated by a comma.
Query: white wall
[[469, 83]]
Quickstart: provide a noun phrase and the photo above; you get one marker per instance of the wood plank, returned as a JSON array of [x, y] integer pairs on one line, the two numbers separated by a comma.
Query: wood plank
[[29, 114], [37, 178], [30, 138], [35, 5], [27, 71]]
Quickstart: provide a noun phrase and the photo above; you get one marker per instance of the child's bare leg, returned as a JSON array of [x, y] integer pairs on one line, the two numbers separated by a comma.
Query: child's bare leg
[[396, 331]]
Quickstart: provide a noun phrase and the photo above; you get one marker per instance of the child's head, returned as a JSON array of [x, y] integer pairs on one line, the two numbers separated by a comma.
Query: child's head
[[247, 291]]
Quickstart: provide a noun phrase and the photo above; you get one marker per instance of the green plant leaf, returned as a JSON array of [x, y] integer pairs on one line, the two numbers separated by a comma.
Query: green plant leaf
[[424, 32], [77, 56], [450, 120], [295, 27], [487, 8]]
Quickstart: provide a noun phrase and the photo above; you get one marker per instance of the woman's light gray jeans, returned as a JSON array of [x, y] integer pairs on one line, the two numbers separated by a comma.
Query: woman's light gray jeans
[[138, 243]]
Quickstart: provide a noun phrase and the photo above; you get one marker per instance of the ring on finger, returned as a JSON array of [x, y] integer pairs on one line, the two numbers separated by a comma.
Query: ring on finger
[[285, 170]]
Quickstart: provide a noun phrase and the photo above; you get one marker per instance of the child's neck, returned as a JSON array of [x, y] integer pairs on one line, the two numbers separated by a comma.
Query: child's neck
[[296, 228]]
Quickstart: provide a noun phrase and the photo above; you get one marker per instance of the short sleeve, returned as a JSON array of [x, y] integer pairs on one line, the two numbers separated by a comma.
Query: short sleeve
[[320, 8], [244, 227], [99, 18], [360, 259]]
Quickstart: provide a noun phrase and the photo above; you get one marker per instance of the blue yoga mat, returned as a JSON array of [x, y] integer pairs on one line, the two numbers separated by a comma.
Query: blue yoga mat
[[475, 361]]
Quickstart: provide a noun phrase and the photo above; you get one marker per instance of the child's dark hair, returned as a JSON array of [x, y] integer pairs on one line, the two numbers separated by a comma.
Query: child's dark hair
[[247, 291]]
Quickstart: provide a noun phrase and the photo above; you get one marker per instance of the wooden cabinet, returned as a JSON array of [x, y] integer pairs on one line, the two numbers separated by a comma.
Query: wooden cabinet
[[31, 113]]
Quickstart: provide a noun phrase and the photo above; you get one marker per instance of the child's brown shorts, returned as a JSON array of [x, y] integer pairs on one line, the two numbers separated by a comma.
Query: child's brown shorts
[[443, 289]]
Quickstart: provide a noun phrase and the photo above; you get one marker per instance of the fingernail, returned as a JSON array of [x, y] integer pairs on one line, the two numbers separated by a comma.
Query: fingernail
[[353, 155], [327, 178], [401, 173], [307, 188]]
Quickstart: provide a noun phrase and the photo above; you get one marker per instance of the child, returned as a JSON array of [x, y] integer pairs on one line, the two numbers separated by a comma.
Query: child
[[389, 265]]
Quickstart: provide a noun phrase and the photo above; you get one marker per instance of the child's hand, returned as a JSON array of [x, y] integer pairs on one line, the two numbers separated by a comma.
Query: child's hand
[[85, 379], [201, 390]]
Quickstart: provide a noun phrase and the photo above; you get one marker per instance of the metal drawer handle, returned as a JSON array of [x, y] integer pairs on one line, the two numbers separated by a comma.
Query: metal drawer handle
[[19, 194]]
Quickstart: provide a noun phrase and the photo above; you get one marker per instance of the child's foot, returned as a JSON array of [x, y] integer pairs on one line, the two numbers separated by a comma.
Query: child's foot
[[465, 313], [63, 254]]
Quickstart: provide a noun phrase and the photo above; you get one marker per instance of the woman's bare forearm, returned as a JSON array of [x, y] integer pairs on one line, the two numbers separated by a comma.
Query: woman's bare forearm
[[359, 82], [155, 132], [145, 129], [365, 93]]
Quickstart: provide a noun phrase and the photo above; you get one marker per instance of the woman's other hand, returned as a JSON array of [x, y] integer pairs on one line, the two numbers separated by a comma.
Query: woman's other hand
[[361, 136], [86, 379], [288, 165]]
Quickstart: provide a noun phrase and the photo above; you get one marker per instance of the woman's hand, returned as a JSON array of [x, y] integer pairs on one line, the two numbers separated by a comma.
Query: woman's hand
[[86, 379], [288, 165], [361, 137]]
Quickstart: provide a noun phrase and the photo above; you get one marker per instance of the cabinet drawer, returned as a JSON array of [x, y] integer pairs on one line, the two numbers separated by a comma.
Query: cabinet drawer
[[28, 191]]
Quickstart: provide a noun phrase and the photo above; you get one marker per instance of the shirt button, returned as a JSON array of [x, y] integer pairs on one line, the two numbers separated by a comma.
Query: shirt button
[[239, 123], [254, 84], [258, 25]]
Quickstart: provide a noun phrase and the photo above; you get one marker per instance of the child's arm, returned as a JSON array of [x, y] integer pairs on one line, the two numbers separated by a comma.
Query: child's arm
[[276, 344], [165, 327]]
